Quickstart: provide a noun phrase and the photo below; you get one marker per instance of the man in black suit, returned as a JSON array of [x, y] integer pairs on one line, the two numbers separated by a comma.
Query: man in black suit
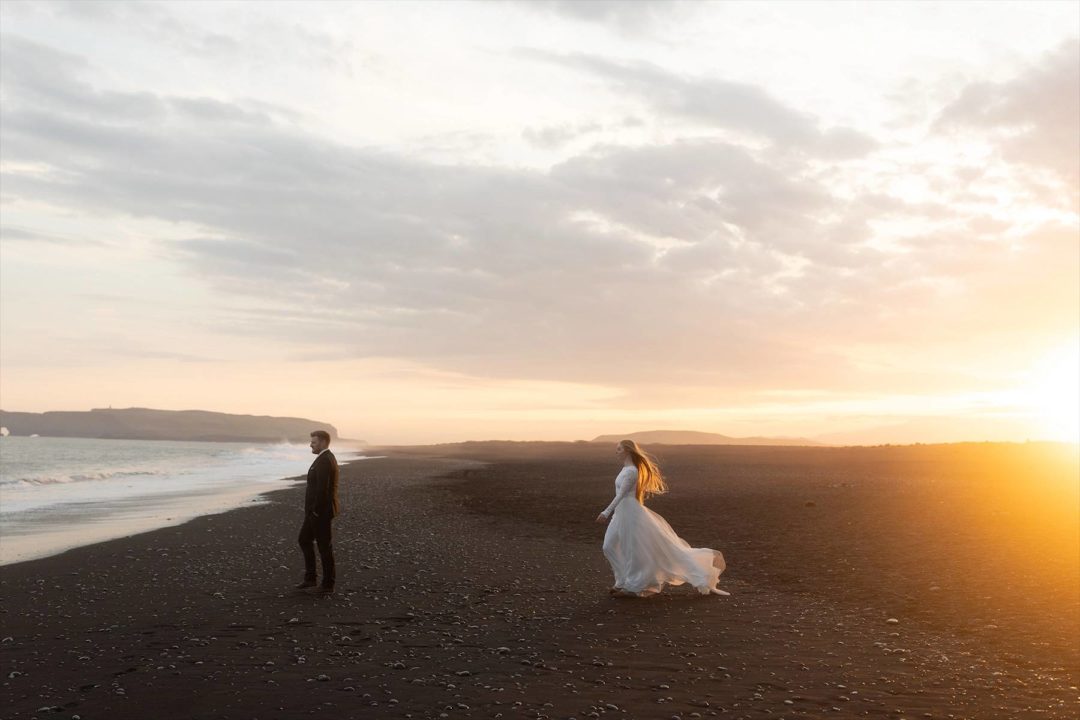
[[320, 508]]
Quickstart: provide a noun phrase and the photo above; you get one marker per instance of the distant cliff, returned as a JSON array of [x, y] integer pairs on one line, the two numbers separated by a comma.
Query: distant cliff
[[693, 437], [145, 424]]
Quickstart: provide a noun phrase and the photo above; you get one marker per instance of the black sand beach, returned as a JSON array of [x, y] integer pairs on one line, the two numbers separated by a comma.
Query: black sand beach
[[923, 581]]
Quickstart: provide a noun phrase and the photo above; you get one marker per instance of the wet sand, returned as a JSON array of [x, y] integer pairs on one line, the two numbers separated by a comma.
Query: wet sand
[[923, 581]]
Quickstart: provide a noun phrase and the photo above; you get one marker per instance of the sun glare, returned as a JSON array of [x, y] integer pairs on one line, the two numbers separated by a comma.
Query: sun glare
[[1052, 393]]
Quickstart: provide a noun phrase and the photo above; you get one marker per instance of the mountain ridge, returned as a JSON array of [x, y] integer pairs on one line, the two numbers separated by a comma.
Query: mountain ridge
[[150, 424], [696, 437]]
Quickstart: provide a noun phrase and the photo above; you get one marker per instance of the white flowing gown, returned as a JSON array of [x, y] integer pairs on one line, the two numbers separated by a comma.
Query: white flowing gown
[[645, 553]]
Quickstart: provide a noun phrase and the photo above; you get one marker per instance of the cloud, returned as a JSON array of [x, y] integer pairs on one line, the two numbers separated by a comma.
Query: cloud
[[220, 32], [700, 262], [1032, 118], [12, 233], [718, 103], [636, 15], [555, 136]]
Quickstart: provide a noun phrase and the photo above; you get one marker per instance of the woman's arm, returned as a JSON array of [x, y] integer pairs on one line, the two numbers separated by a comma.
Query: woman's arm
[[624, 486]]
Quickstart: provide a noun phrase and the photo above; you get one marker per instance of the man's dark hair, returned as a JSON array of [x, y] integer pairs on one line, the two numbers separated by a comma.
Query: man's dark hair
[[322, 435]]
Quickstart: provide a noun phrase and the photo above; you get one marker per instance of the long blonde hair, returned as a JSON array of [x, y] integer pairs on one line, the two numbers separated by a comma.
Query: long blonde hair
[[649, 479]]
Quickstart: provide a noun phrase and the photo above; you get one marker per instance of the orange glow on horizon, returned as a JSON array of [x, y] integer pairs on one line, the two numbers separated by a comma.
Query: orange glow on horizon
[[1053, 393]]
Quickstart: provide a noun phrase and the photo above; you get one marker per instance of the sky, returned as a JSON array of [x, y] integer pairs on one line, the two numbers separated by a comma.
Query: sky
[[439, 221]]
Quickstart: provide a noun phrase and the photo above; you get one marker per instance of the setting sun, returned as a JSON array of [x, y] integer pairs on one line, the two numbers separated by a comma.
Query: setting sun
[[1052, 393]]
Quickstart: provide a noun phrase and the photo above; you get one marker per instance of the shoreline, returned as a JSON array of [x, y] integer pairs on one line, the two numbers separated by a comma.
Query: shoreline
[[472, 584], [168, 512], [38, 534]]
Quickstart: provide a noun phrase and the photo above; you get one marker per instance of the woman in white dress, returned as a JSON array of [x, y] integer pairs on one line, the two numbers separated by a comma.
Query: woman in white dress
[[644, 552]]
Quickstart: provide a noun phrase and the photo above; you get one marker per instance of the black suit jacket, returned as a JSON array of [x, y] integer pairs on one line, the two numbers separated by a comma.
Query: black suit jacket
[[322, 482]]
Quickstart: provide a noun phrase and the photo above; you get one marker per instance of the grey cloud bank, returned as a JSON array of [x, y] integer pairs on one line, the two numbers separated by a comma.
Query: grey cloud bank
[[1038, 113], [719, 103]]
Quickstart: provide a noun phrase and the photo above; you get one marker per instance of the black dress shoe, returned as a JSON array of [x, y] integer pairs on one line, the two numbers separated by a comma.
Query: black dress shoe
[[306, 584]]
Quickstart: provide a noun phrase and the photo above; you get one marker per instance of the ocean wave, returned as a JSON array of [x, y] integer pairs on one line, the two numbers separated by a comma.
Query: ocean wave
[[84, 477], [84, 470]]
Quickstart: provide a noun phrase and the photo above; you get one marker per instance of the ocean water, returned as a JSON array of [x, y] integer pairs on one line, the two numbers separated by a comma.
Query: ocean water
[[59, 493]]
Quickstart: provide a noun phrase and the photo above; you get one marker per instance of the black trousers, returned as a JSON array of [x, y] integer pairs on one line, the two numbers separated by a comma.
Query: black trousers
[[317, 530]]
